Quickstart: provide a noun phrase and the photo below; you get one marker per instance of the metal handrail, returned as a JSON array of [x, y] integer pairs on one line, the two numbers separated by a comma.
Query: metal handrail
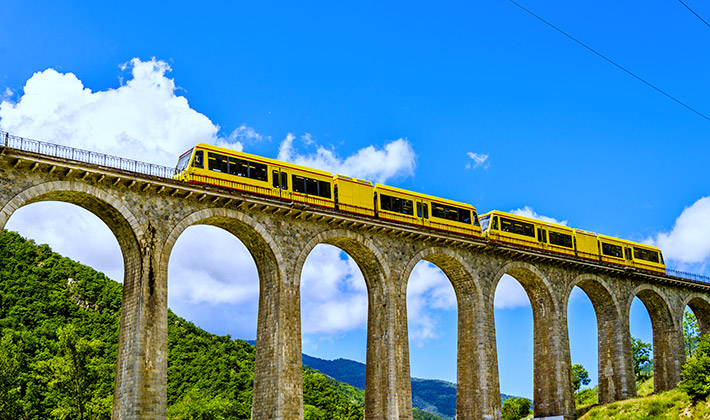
[[688, 276], [85, 156]]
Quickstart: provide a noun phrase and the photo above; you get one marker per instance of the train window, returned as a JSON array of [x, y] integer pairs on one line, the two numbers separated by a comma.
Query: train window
[[275, 179], [494, 226], [396, 204], [612, 250], [442, 211], [426, 211], [199, 161], [627, 253], [646, 254], [310, 186], [517, 227], [324, 189], [257, 171], [475, 219], [419, 209], [284, 181], [561, 239], [217, 163]]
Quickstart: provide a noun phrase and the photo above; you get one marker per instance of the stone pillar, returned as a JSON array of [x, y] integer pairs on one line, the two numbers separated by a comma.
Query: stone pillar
[[141, 367], [278, 374], [552, 394], [477, 390], [388, 390], [617, 380], [668, 354]]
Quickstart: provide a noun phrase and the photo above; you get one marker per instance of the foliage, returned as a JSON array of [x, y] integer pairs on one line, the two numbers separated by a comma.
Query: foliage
[[669, 405], [418, 414], [516, 408], [59, 325], [580, 376], [691, 332], [695, 376], [642, 358]]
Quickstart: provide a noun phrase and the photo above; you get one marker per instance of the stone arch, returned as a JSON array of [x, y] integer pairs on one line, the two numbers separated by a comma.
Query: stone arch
[[474, 398], [141, 362], [700, 305], [387, 381], [668, 353], [614, 372], [364, 251], [263, 248], [278, 380], [552, 388], [106, 206]]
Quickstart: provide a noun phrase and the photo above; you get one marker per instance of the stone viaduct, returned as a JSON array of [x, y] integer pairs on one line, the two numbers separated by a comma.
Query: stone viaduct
[[147, 213]]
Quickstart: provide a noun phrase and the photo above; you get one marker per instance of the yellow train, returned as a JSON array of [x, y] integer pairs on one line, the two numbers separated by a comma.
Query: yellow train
[[207, 164], [499, 226]]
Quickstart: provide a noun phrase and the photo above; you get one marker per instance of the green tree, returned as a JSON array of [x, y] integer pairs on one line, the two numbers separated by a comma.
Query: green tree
[[516, 408], [691, 332], [71, 374], [642, 357], [695, 376], [580, 377], [10, 387]]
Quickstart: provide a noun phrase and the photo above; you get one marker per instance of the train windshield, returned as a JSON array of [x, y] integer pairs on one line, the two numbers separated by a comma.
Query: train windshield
[[484, 221], [183, 161]]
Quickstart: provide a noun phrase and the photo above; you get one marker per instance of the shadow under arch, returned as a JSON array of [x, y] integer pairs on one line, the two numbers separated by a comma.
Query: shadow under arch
[[700, 305], [552, 387], [278, 381], [387, 382], [476, 397], [616, 377], [140, 369], [668, 353]]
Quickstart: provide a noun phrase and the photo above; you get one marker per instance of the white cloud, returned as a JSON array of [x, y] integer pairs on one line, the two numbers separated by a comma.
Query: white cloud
[[142, 119], [210, 265], [71, 231], [333, 293], [478, 160], [527, 211], [429, 292], [688, 243], [396, 160], [510, 294]]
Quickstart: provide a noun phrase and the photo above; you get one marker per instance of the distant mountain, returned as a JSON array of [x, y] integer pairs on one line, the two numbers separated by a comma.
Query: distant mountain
[[433, 396]]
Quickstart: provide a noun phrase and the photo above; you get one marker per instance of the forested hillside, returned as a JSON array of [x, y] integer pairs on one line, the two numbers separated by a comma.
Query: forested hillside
[[59, 330]]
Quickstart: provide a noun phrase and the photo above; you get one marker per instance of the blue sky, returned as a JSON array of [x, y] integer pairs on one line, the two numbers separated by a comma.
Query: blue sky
[[474, 101]]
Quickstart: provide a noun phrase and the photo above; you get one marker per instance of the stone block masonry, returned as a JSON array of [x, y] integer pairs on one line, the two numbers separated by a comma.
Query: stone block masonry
[[147, 214]]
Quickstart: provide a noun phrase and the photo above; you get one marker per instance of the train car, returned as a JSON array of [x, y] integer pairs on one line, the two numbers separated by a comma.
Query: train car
[[354, 195], [414, 208], [632, 254], [207, 164], [510, 228]]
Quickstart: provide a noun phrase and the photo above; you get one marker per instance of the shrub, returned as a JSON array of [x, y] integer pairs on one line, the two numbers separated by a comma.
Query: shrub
[[695, 377]]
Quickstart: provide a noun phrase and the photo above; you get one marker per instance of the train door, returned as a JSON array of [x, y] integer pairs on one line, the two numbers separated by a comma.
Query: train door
[[423, 212], [628, 256], [279, 180], [542, 237]]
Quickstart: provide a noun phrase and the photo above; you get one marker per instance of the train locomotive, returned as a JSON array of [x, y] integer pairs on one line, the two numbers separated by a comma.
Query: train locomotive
[[213, 165]]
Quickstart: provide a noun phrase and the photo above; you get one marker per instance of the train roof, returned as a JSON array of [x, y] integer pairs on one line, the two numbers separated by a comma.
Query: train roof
[[260, 159], [424, 196]]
